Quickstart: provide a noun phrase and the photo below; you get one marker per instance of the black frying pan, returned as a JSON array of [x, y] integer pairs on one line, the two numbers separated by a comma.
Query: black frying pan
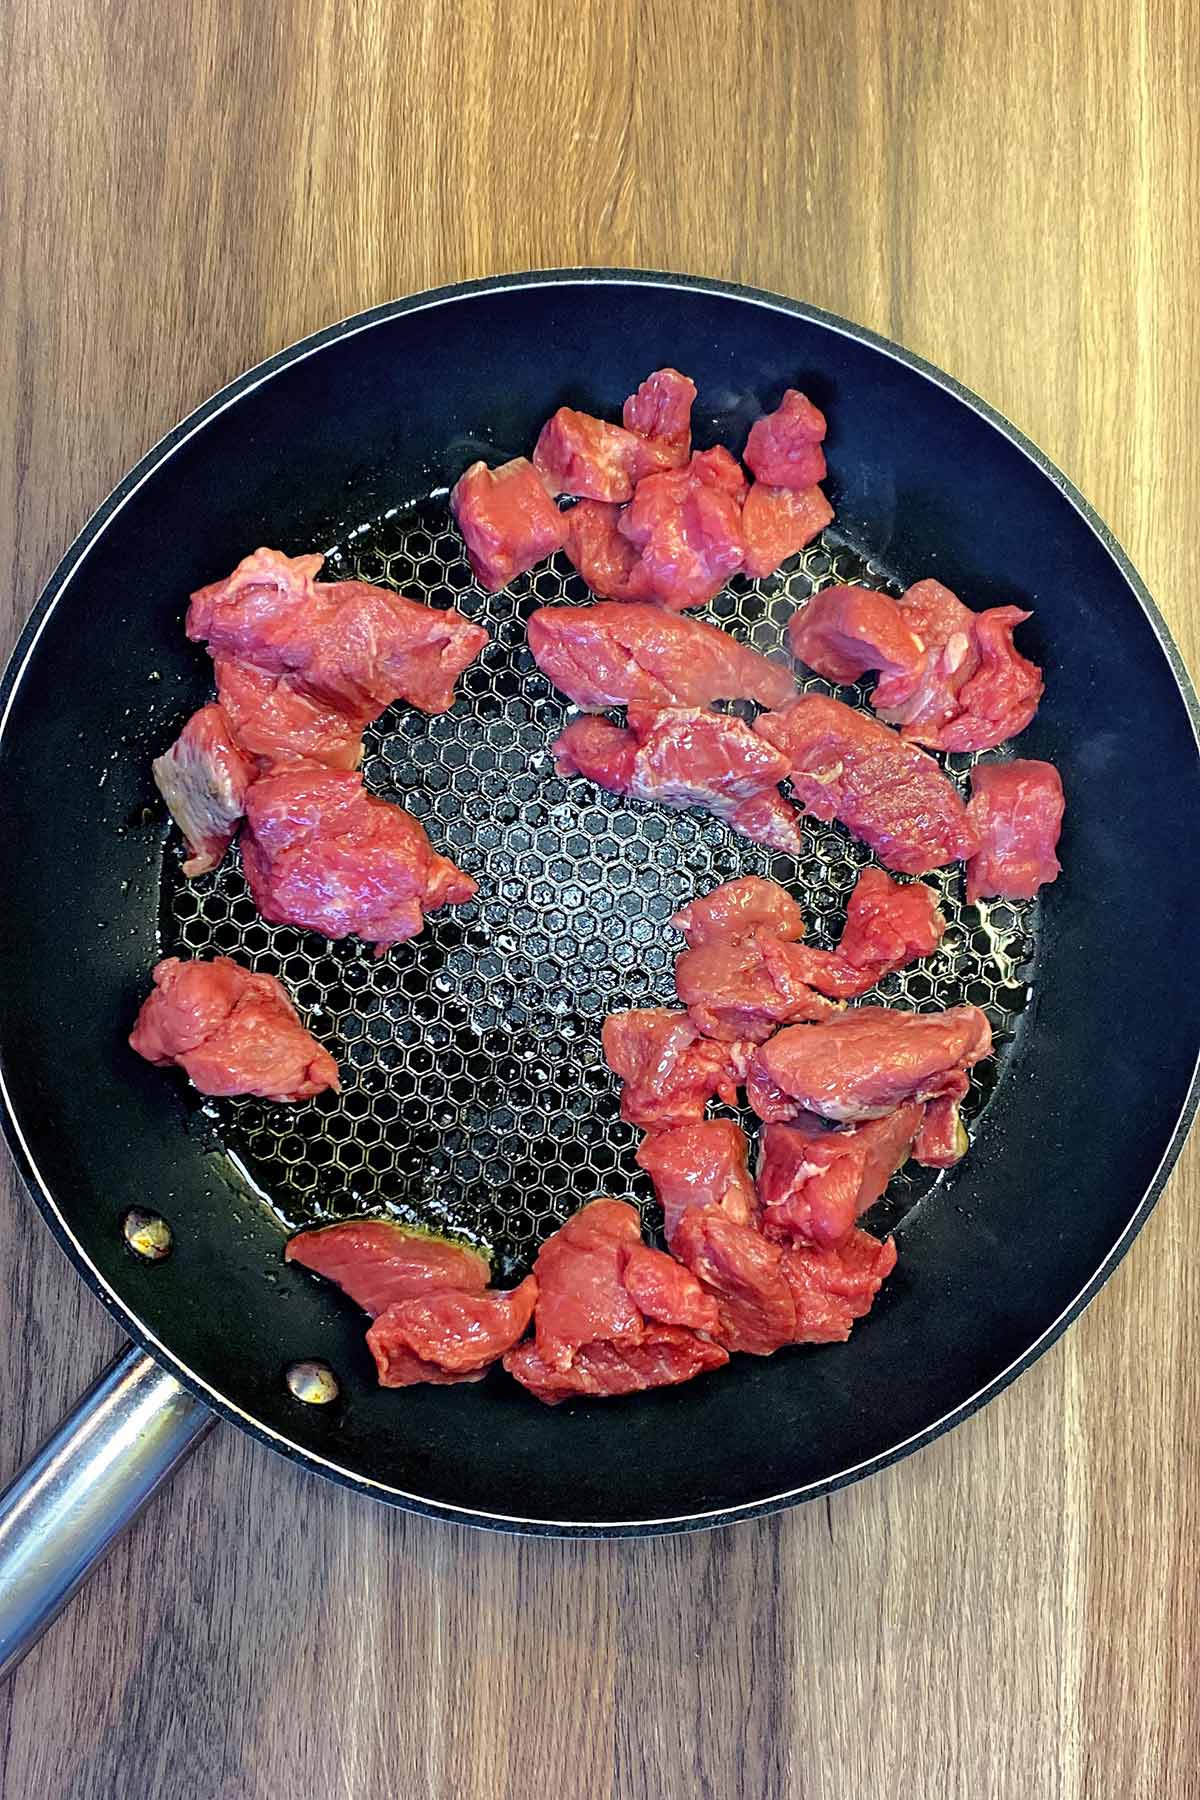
[[473, 1093]]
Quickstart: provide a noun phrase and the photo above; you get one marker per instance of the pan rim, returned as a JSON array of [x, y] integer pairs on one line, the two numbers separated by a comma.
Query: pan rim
[[56, 588]]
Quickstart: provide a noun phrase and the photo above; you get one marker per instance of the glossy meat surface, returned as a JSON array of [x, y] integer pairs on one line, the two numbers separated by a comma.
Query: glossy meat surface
[[814, 1182], [866, 1062], [844, 632], [888, 925], [507, 519], [784, 446], [659, 413], [777, 522], [591, 1335], [619, 655], [320, 852], [603, 555], [231, 1032], [743, 991], [350, 646], [379, 1262], [699, 1165], [203, 778], [686, 524], [1017, 809], [669, 1069], [688, 757], [451, 1336], [848, 767], [738, 910], [275, 721], [578, 454]]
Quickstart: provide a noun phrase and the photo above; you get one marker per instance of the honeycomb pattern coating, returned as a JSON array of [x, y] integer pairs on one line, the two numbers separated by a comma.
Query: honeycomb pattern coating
[[474, 1093]]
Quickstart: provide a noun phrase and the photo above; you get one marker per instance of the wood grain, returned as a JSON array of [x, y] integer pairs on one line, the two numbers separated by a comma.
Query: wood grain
[[1010, 190]]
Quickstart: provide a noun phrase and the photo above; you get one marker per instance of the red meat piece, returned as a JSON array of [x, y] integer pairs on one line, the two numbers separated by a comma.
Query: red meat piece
[[738, 910], [379, 1262], [942, 1140], [777, 522], [743, 991], [664, 1356], [617, 655], [999, 699], [766, 1098], [349, 645], [578, 454], [745, 1275], [321, 853], [849, 767], [833, 1285], [683, 758], [276, 721], [923, 697], [663, 1290], [231, 1032], [868, 1061], [888, 925], [687, 525], [203, 778], [784, 447], [507, 519], [591, 1337], [814, 1182], [1017, 809], [583, 1297], [843, 632], [449, 1337], [605, 558], [697, 1166], [659, 414], [669, 1070]]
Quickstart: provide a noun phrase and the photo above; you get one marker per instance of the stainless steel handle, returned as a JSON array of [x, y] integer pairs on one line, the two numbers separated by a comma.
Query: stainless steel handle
[[87, 1483]]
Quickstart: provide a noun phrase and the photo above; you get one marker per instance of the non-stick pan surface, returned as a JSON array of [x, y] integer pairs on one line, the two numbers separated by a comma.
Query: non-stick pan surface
[[473, 1095]]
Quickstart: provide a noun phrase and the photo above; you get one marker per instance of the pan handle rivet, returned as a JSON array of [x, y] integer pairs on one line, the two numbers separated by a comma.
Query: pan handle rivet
[[147, 1234], [313, 1382]]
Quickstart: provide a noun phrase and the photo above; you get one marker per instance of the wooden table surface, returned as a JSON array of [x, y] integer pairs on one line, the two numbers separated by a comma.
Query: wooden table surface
[[1010, 190]]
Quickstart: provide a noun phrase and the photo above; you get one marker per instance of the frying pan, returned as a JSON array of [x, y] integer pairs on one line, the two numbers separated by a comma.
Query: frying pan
[[473, 1095]]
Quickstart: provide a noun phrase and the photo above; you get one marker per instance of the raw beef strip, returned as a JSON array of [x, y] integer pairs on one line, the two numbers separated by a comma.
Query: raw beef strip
[[276, 721], [507, 519], [888, 925], [1017, 810], [699, 1165], [833, 1285], [350, 646], [450, 1336], [779, 521], [784, 447], [203, 778], [843, 632], [669, 1070], [848, 767], [972, 687], [942, 1140], [590, 1335], [601, 553], [738, 910], [688, 757], [664, 1356], [378, 1262], [923, 697], [578, 454], [1002, 695], [814, 1181], [743, 991], [618, 655], [659, 414], [745, 1275], [868, 1061], [321, 853], [231, 1032], [687, 525]]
